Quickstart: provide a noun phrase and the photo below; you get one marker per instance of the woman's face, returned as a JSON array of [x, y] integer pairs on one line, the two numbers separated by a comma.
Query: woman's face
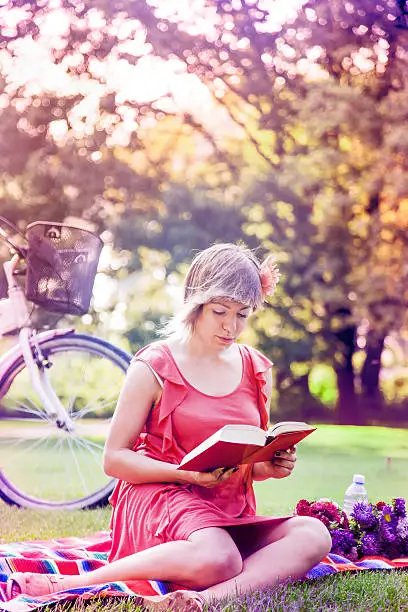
[[221, 322]]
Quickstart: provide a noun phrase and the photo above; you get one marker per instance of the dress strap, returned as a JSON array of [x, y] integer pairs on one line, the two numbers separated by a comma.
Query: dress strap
[[153, 371]]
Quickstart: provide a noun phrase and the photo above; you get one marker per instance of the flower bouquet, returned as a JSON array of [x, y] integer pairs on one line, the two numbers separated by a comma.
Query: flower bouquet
[[372, 529]]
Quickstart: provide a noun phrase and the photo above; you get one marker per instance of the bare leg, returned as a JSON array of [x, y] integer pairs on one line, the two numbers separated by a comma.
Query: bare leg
[[208, 556], [211, 557], [286, 551]]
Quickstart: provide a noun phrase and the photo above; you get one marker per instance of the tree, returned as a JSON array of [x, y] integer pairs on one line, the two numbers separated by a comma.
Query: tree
[[316, 161], [313, 99]]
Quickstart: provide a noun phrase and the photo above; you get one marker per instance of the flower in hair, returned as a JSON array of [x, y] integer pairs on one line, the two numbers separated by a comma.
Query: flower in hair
[[269, 274]]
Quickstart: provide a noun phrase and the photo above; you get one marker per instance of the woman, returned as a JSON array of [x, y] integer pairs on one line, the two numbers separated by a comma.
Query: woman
[[199, 530]]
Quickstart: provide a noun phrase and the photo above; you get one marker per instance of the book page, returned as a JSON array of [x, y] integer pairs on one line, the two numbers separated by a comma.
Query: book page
[[281, 442], [286, 427]]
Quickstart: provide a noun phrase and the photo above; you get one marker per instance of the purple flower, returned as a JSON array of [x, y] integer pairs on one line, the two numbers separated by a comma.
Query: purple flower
[[404, 547], [342, 542], [402, 528], [398, 504], [391, 550], [388, 524], [373, 530], [369, 545], [363, 514]]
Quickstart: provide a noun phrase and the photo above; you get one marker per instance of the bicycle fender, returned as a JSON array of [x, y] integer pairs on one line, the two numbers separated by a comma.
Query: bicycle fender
[[11, 357]]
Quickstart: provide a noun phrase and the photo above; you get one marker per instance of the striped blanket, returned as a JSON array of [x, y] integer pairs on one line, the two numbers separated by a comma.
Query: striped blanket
[[79, 555]]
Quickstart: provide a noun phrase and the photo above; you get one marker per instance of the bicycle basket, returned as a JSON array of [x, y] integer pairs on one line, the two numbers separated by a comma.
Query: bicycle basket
[[61, 266]]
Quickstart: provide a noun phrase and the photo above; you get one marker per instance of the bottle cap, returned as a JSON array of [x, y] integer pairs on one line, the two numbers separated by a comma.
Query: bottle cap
[[359, 479]]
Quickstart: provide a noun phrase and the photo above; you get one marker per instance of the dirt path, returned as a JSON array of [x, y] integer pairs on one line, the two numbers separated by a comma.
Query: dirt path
[[93, 429]]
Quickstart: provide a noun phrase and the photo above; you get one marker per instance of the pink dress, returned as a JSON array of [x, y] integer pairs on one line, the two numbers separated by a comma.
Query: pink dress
[[145, 515]]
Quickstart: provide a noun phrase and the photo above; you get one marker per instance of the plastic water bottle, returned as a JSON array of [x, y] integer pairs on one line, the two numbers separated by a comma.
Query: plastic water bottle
[[355, 493]]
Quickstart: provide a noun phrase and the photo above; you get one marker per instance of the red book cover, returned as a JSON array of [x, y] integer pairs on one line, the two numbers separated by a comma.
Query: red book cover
[[283, 441], [237, 444], [221, 454]]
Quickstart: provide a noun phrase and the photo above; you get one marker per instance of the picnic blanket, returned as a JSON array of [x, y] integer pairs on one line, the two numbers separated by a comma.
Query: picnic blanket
[[79, 555]]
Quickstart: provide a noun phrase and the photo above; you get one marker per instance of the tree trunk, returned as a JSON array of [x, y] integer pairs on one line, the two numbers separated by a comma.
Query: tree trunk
[[348, 410], [370, 376], [294, 397]]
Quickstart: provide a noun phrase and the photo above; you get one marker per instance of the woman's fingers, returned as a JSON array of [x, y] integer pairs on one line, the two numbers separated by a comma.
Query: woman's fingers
[[225, 473], [285, 455], [285, 459], [285, 463], [213, 478]]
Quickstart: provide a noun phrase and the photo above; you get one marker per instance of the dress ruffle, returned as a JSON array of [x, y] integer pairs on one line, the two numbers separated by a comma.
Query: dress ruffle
[[261, 365], [175, 388], [173, 393]]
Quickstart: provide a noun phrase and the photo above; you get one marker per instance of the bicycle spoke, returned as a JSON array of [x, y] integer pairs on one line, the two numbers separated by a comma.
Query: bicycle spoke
[[77, 465], [71, 401], [88, 445], [91, 408], [25, 408], [68, 478], [34, 459], [50, 465], [70, 405], [41, 440]]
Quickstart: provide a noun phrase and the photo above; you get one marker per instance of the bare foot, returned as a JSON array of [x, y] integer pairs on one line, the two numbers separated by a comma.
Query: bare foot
[[35, 585], [179, 601]]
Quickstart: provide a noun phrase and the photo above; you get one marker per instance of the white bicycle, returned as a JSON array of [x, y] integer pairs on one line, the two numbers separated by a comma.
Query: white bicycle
[[58, 388]]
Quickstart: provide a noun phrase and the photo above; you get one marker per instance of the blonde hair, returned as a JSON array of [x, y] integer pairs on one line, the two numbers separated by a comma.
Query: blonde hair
[[223, 271]]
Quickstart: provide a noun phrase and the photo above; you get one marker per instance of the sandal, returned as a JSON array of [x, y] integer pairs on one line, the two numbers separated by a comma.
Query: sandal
[[35, 585], [178, 601]]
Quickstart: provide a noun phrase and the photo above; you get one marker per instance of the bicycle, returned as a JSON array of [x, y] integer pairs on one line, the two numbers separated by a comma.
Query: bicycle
[[58, 388]]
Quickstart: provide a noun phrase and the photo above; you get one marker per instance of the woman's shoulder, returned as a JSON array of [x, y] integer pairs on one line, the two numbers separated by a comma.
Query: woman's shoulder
[[154, 348], [259, 361], [154, 352], [158, 356]]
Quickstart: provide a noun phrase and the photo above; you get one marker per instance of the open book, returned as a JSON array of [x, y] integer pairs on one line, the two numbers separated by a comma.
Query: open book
[[236, 444]]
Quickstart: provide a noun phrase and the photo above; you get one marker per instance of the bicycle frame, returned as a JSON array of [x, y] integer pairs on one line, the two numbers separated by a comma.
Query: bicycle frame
[[15, 314], [14, 311], [15, 354], [58, 398]]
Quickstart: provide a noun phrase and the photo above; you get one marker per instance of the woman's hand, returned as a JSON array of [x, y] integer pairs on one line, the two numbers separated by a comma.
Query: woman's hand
[[209, 479], [280, 466]]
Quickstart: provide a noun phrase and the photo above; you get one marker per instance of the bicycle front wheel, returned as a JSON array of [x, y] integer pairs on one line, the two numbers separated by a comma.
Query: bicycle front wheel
[[41, 464]]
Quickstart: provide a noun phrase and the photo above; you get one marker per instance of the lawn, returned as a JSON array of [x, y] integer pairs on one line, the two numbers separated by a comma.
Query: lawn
[[328, 459], [326, 463]]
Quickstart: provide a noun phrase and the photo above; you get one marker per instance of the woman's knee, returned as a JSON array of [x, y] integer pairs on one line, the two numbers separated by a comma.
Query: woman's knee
[[214, 563], [313, 537]]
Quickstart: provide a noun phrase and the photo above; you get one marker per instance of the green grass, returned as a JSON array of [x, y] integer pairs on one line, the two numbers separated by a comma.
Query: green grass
[[328, 459], [19, 524], [326, 463]]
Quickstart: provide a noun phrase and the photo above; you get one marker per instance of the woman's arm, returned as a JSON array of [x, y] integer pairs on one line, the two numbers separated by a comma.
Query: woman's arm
[[139, 393], [283, 463]]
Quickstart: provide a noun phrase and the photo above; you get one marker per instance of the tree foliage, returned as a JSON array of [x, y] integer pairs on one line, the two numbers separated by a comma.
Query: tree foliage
[[304, 154]]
